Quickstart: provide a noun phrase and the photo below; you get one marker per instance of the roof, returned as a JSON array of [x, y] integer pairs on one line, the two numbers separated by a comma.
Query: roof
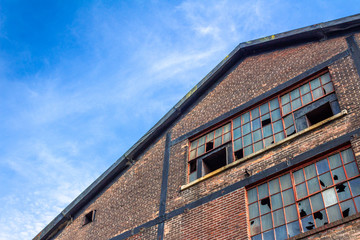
[[317, 32]]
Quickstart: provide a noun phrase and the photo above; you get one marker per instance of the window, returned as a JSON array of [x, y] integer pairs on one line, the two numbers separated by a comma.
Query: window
[[89, 217], [311, 196], [263, 125]]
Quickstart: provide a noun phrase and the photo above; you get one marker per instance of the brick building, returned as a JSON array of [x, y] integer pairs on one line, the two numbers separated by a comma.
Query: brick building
[[266, 146]]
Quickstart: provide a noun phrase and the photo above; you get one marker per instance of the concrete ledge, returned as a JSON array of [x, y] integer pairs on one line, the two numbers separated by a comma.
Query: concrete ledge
[[237, 162]]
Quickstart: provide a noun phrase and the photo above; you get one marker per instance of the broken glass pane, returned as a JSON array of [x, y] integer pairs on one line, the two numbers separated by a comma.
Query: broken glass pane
[[288, 196], [274, 103], [318, 93], [237, 145], [291, 213], [258, 146], [275, 115], [299, 176], [274, 186], [317, 202], [263, 191], [355, 186], [315, 83], [269, 235], [308, 223], [276, 201], [278, 217], [348, 208], [253, 210], [281, 233], [335, 161], [343, 191], [329, 197], [351, 170], [325, 180], [265, 205], [310, 171], [304, 89], [322, 166], [313, 185], [328, 88], [296, 103], [255, 113], [268, 141], [338, 175], [252, 195], [285, 181], [290, 131], [334, 213], [293, 229], [264, 108], [266, 222], [304, 207], [320, 218], [347, 155], [255, 226], [306, 98]]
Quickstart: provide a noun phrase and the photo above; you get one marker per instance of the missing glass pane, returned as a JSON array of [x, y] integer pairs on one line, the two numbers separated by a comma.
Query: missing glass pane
[[214, 161]]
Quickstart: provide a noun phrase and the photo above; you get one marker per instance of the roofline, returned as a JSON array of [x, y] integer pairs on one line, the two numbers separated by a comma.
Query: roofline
[[317, 32]]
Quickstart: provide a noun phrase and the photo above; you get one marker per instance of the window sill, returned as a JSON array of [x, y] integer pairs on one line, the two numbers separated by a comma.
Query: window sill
[[237, 162]]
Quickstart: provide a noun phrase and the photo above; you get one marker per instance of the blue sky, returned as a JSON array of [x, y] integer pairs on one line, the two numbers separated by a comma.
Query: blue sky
[[82, 81]]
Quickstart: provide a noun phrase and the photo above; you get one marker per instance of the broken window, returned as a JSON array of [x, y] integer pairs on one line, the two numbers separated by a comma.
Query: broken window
[[89, 217], [214, 161], [311, 196]]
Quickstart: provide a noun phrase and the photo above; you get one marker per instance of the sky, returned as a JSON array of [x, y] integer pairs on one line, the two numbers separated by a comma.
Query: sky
[[82, 80]]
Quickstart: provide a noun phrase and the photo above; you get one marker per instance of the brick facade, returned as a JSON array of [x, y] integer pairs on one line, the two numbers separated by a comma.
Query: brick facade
[[216, 207]]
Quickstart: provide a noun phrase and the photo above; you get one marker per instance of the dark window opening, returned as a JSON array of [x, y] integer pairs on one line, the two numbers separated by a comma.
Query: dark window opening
[[214, 161], [239, 154], [89, 217], [265, 122], [321, 113], [192, 166], [209, 146]]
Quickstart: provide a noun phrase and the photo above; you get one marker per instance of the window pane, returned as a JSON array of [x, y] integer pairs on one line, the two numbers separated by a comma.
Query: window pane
[[237, 145], [227, 128], [310, 171], [256, 124], [304, 207], [257, 237], [357, 203], [294, 94], [218, 132], [201, 140], [288, 121], [317, 202], [218, 141], [227, 137], [325, 180], [318, 93], [329, 197], [325, 78], [301, 191], [328, 88], [278, 126], [237, 122], [265, 206], [255, 226], [194, 144], [347, 155], [276, 201], [275, 115], [296, 103], [246, 128], [267, 130], [252, 195], [247, 139], [269, 235], [355, 186], [322, 166], [193, 154], [285, 99], [293, 229], [338, 175], [304, 89], [201, 150], [237, 133], [306, 98], [278, 217], [255, 113], [264, 108], [347, 208], [281, 233], [290, 131], [313, 185], [291, 213], [258, 146], [266, 222], [299, 176], [351, 170], [248, 150], [334, 213], [209, 136], [245, 117], [288, 196], [285, 181], [335, 161], [308, 223], [257, 135], [343, 191], [286, 109], [280, 136], [274, 186], [253, 210], [315, 83], [320, 218], [274, 103], [268, 141], [263, 191]]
